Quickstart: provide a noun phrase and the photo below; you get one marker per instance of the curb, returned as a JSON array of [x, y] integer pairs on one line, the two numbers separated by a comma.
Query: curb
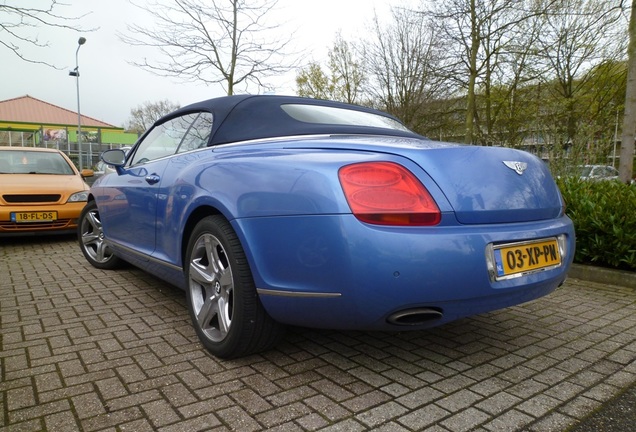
[[618, 413], [603, 275]]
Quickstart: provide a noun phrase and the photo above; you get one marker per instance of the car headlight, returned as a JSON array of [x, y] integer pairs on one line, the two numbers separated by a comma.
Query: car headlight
[[78, 197]]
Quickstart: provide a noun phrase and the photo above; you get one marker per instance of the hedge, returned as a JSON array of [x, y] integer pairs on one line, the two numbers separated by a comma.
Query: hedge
[[604, 216]]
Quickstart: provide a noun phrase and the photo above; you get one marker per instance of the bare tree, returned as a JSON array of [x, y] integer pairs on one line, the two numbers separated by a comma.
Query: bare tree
[[144, 116], [507, 87], [483, 51], [19, 26], [226, 42], [401, 61]]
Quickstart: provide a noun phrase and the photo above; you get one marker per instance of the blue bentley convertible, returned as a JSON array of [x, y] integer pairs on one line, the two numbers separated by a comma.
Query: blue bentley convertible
[[274, 210]]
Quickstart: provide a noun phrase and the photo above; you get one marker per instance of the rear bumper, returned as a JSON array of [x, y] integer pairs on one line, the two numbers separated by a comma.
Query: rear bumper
[[335, 272], [337, 313]]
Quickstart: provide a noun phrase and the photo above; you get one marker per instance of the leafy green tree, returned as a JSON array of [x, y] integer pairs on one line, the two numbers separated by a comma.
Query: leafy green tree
[[343, 80], [576, 35], [347, 77], [479, 36], [602, 100], [629, 120], [313, 82]]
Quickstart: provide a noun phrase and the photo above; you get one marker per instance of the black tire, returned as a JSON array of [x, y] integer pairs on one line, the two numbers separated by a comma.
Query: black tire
[[226, 312], [91, 239]]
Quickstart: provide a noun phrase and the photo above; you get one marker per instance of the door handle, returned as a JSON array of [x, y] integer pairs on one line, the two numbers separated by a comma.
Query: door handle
[[152, 179]]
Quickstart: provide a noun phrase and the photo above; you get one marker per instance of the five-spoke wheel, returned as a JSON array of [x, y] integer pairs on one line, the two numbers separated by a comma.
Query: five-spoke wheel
[[226, 312], [91, 239], [211, 287]]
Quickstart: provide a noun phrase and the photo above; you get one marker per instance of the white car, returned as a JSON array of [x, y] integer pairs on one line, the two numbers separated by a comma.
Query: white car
[[597, 172]]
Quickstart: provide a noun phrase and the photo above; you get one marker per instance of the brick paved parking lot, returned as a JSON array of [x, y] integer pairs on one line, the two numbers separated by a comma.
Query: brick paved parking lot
[[83, 349]]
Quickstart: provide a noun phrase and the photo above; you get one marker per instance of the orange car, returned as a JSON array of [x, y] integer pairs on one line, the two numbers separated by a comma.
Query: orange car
[[41, 191]]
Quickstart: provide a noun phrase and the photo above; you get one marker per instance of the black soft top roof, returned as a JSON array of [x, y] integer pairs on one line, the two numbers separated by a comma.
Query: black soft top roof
[[246, 117]]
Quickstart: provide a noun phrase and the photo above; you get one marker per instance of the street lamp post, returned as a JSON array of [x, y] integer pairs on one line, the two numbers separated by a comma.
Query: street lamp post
[[81, 41], [615, 139]]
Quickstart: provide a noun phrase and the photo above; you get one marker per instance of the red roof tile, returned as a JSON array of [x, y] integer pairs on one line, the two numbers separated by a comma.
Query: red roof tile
[[27, 109]]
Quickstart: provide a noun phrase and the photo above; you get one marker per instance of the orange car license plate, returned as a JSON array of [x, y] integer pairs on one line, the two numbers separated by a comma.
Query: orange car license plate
[[26, 217], [526, 257]]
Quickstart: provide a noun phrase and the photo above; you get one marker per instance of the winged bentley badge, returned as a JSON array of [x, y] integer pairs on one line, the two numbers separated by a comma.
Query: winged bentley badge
[[518, 167]]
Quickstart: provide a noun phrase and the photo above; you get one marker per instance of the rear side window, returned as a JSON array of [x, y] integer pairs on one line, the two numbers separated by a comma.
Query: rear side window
[[199, 133], [180, 134]]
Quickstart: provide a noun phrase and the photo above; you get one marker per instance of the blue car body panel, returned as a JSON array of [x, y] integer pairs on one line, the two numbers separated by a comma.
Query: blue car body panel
[[313, 262]]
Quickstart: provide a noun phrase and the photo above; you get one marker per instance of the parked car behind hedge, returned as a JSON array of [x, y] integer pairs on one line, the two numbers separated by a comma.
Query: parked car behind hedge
[[597, 172]]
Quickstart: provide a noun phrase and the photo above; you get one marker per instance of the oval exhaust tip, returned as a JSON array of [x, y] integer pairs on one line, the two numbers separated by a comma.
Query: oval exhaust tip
[[414, 317]]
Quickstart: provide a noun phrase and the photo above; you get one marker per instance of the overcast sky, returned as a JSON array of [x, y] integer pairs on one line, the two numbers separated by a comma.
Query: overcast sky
[[110, 87]]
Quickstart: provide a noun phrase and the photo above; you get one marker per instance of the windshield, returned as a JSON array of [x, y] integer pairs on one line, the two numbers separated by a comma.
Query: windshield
[[584, 171], [33, 162]]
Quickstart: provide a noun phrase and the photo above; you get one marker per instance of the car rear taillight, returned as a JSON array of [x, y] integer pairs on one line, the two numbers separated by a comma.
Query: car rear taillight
[[385, 193]]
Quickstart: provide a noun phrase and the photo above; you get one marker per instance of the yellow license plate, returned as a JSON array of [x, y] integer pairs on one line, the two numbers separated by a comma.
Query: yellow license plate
[[26, 217], [526, 257]]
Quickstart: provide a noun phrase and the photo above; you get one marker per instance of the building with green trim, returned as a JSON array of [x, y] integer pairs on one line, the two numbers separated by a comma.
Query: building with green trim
[[27, 121]]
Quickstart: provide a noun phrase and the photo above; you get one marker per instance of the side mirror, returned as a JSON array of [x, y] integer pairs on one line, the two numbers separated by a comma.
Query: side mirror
[[87, 173], [114, 157]]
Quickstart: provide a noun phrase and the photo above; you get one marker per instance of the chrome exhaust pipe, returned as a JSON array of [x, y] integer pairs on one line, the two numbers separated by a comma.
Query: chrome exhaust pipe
[[415, 317]]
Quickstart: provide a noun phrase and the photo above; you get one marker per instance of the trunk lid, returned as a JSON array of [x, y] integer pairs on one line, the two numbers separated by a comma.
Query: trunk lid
[[492, 184], [482, 184]]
